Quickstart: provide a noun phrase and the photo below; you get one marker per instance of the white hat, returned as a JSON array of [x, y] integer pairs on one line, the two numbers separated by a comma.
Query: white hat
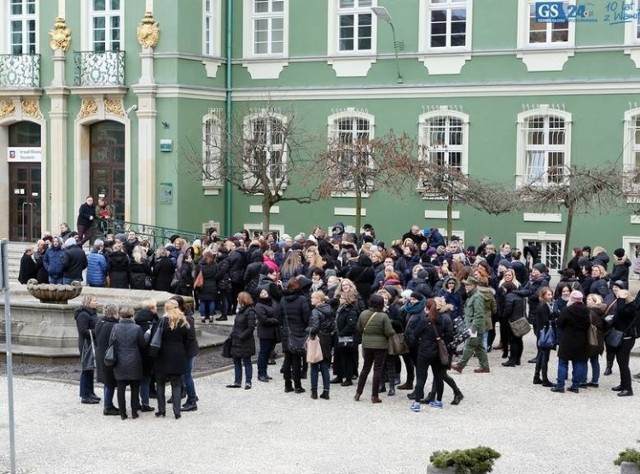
[[70, 242], [406, 294]]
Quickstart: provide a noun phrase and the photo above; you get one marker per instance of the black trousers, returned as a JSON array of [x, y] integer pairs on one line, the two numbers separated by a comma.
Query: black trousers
[[292, 368], [622, 356], [135, 396], [375, 358], [176, 391], [422, 371]]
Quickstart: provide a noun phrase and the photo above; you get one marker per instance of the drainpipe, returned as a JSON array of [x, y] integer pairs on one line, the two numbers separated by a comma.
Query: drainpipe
[[228, 191]]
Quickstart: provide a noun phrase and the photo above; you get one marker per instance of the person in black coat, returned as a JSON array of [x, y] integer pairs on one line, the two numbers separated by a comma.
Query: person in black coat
[[146, 317], [192, 352], [345, 340], [171, 360], [624, 320], [243, 345], [73, 262], [208, 292], [86, 216], [118, 267], [129, 345], [268, 331], [163, 271], [293, 315], [224, 283], [28, 269], [573, 324], [139, 270], [254, 267], [105, 374], [86, 319], [538, 278], [544, 317], [363, 276], [514, 309], [321, 325], [237, 267]]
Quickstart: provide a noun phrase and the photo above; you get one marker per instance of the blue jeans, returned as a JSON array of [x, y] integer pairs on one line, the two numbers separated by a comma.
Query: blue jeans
[[207, 308], [594, 360], [68, 281], [86, 383], [108, 393], [578, 373], [55, 280], [485, 340], [266, 346], [248, 370], [322, 367], [144, 390], [187, 380]]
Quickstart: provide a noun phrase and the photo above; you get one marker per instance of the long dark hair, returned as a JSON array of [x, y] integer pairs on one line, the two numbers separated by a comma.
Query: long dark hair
[[432, 311]]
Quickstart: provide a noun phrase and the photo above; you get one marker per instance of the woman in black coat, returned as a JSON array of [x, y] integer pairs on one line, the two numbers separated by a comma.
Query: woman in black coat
[[225, 286], [573, 324], [163, 271], [145, 318], [208, 292], [321, 325], [171, 360], [293, 315], [268, 331], [596, 312], [105, 374], [243, 345], [192, 351], [139, 269], [514, 309], [544, 317], [346, 338], [129, 345], [118, 267], [624, 320], [86, 319], [363, 276]]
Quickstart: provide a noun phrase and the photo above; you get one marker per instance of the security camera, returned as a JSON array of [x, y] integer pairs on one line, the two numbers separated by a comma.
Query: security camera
[[131, 109]]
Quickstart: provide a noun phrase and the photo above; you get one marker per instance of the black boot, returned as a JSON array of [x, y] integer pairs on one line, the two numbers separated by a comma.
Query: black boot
[[509, 363], [392, 390], [431, 396], [537, 380], [288, 386], [382, 388], [314, 393], [457, 398], [608, 371], [325, 395]]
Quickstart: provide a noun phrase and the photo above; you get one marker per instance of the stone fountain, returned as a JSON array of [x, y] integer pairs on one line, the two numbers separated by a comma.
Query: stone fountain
[[55, 294]]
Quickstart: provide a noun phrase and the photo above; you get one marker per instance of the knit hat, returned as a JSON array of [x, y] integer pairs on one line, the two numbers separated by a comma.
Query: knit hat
[[620, 284], [470, 281], [619, 253], [406, 294], [575, 297], [586, 248], [505, 263], [431, 251], [69, 242], [540, 267], [415, 308]]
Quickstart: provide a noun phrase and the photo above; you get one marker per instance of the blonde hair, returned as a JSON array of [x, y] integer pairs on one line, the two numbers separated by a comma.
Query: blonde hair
[[136, 253], [603, 272], [126, 312], [595, 297], [175, 316], [149, 303], [320, 295], [598, 250], [117, 247], [87, 298], [179, 243]]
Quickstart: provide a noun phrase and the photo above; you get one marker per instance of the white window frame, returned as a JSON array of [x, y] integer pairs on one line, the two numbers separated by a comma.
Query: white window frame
[[523, 238], [108, 13], [522, 173], [267, 115], [249, 18], [24, 18], [631, 147], [424, 25], [212, 149], [524, 12], [333, 33], [632, 34], [332, 130], [211, 28]]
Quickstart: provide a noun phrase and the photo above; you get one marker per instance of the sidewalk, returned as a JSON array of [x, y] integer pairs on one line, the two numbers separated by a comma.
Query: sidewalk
[[266, 430]]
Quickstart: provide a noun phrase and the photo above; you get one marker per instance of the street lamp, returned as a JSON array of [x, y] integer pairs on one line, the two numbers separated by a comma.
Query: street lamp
[[383, 14]]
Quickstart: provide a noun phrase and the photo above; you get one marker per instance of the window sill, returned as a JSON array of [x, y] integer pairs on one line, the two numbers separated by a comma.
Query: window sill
[[348, 194], [445, 62], [211, 66], [210, 190], [351, 66], [545, 60], [265, 68], [634, 54]]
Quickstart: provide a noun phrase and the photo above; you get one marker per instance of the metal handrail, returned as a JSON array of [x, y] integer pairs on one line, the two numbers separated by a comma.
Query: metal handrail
[[156, 235], [19, 70], [99, 68]]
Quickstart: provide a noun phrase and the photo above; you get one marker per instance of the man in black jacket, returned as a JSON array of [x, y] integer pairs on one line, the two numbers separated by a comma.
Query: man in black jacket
[[86, 216], [73, 262]]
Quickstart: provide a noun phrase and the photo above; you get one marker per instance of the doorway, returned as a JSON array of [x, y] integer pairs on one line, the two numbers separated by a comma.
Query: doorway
[[107, 156]]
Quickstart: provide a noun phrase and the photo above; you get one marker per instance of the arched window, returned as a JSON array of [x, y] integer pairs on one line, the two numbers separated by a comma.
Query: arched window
[[444, 138], [212, 151], [631, 159], [265, 142]]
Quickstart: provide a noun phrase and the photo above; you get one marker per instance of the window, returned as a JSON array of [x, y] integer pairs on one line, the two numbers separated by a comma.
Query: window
[[355, 32], [350, 133], [211, 47], [212, 151], [443, 138], [447, 24], [106, 25], [550, 248], [22, 21], [266, 149], [547, 33], [631, 159], [268, 27], [544, 146]]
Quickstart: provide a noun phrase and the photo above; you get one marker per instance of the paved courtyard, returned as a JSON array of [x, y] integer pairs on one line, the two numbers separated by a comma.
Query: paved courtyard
[[266, 430]]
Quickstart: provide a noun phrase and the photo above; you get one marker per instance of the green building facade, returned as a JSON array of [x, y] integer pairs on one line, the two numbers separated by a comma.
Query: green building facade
[[503, 89]]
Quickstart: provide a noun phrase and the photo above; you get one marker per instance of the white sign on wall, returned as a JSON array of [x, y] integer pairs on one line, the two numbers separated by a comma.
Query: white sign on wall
[[17, 154]]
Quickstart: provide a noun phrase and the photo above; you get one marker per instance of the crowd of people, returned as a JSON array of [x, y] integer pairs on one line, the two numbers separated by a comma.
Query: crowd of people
[[449, 304]]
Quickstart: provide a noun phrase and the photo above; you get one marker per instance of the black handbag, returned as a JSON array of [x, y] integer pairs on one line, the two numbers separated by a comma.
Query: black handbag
[[88, 357], [148, 282], [443, 353], [156, 340], [226, 348], [614, 338], [110, 354]]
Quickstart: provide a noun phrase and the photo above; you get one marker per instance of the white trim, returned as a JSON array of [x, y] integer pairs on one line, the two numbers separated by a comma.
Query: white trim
[[5, 19], [258, 209], [630, 34], [216, 37], [258, 228], [424, 26], [177, 91], [265, 69], [349, 211], [634, 219], [211, 186], [630, 147], [108, 13], [541, 236], [541, 217], [444, 64], [269, 65], [628, 244], [434, 214], [282, 148], [444, 111]]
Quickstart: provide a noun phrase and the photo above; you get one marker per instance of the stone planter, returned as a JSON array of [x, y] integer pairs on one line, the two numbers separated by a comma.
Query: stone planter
[[629, 468], [56, 294], [431, 469]]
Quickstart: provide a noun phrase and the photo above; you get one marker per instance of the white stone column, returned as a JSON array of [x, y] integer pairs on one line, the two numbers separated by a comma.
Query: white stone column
[[56, 198], [146, 91]]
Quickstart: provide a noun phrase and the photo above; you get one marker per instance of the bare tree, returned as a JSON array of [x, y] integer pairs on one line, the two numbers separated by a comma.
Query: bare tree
[[362, 166], [577, 189], [267, 149]]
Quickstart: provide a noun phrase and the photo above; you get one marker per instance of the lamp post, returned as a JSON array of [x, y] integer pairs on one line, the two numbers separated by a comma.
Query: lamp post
[[383, 14]]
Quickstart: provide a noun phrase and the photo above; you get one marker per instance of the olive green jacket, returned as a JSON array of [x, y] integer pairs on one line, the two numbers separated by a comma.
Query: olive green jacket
[[377, 332]]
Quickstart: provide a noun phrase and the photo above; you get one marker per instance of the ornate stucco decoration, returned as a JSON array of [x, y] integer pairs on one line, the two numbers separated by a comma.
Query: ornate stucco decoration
[[30, 108], [148, 31], [60, 36], [114, 107], [89, 107], [6, 108]]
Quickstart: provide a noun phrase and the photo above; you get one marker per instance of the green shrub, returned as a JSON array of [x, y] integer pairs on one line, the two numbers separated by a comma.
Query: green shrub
[[466, 461], [628, 455]]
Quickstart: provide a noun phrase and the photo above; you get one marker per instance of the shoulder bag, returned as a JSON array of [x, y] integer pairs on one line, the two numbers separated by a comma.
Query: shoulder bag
[[110, 354], [592, 335], [314, 350], [397, 346], [520, 326], [199, 281], [443, 353], [89, 354], [156, 340], [614, 337], [547, 337]]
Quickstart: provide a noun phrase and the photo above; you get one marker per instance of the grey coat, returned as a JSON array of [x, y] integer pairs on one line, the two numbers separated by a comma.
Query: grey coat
[[129, 346]]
